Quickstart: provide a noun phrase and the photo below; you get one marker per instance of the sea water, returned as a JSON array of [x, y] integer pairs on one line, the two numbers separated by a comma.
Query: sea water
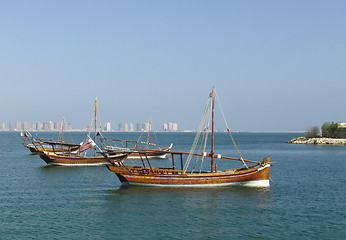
[[306, 199]]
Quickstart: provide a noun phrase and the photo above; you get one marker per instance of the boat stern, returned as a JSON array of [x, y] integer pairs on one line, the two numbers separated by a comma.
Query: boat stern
[[265, 168], [266, 160]]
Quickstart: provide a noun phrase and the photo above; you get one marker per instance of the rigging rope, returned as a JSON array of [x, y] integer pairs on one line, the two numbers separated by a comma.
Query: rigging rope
[[157, 141], [140, 136], [89, 128], [199, 150], [206, 110], [205, 144], [229, 131], [205, 141]]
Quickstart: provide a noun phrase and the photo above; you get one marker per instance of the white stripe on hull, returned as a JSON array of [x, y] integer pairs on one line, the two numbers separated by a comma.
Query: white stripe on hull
[[78, 164], [253, 183], [143, 157]]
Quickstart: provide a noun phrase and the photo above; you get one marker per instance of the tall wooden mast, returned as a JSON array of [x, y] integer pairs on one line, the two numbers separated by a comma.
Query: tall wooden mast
[[149, 126], [95, 110], [212, 130], [62, 129]]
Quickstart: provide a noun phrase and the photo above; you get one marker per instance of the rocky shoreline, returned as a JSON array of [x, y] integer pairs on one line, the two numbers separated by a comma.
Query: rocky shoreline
[[319, 141]]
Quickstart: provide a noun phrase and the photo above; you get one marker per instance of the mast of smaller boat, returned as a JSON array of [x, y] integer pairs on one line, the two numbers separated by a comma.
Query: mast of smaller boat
[[149, 128], [95, 125], [62, 130], [212, 131]]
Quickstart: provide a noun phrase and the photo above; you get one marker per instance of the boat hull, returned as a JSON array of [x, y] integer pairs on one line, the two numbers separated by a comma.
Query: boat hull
[[255, 176], [36, 149], [32, 149], [252, 183], [54, 159], [149, 155]]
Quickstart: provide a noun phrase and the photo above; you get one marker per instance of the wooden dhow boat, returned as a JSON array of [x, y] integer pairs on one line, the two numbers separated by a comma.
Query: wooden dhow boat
[[64, 159], [80, 158], [136, 148], [146, 174], [51, 146], [136, 152], [36, 145]]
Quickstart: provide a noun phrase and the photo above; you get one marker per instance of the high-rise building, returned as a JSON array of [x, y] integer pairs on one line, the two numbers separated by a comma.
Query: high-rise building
[[45, 126], [51, 126], [175, 127], [132, 128], [68, 126], [25, 126], [107, 126], [11, 126], [138, 127], [2, 126], [165, 127], [18, 126], [147, 126], [126, 127], [172, 126], [57, 126], [39, 126], [120, 127]]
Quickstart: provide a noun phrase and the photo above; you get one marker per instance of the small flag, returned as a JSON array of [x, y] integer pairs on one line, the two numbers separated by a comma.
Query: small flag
[[88, 144], [23, 135]]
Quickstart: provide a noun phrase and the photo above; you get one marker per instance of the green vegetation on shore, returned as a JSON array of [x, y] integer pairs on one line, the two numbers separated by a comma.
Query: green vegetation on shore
[[328, 130]]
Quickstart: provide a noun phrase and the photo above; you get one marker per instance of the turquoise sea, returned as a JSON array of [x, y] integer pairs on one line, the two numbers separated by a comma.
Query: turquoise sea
[[306, 199]]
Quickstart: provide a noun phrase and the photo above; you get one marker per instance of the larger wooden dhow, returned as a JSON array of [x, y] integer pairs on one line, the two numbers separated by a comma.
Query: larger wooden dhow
[[255, 175]]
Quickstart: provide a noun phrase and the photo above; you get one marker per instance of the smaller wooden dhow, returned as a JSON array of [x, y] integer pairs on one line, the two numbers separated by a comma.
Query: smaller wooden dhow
[[194, 175], [40, 145], [77, 159], [81, 158], [136, 148], [36, 145]]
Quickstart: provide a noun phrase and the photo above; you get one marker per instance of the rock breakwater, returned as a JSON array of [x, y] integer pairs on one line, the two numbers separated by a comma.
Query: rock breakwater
[[318, 141]]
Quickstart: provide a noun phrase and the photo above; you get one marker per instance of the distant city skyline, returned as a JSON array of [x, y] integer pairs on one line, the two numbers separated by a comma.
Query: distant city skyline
[[57, 126], [37, 126]]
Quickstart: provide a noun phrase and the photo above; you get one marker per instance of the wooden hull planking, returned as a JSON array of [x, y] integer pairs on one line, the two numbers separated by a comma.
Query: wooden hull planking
[[54, 159], [36, 149], [32, 149]]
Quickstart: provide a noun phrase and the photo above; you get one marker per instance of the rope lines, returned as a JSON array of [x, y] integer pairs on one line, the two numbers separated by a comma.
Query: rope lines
[[195, 142], [229, 131]]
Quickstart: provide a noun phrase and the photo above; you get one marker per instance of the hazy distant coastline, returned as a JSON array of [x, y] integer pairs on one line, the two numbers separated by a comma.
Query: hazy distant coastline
[[178, 131]]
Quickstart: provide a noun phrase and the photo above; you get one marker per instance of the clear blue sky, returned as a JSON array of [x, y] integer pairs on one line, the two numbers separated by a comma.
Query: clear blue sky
[[276, 65]]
